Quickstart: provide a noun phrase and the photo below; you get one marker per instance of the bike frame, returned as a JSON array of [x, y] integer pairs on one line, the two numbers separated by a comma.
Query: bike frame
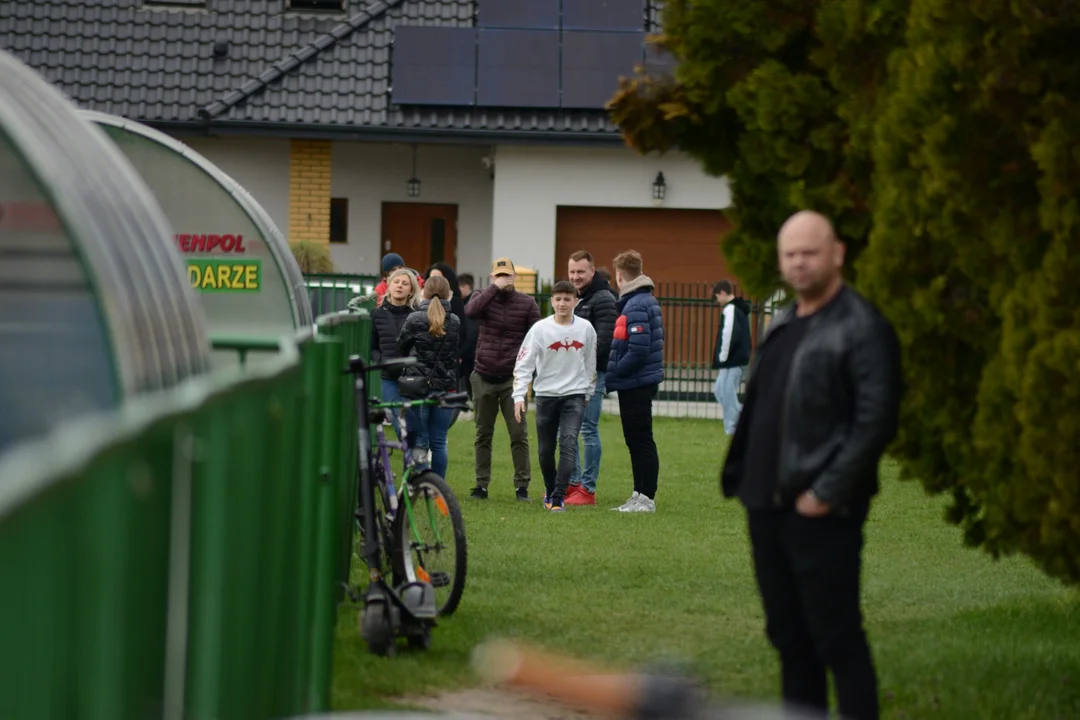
[[396, 496]]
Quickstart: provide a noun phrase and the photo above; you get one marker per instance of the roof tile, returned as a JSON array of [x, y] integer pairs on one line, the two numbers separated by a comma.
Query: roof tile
[[156, 63]]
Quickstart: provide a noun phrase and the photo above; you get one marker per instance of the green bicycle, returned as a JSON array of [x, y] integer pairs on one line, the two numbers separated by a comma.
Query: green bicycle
[[413, 533]]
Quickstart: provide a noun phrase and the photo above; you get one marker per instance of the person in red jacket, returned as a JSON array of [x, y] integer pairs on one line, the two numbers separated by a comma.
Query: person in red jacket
[[504, 316]]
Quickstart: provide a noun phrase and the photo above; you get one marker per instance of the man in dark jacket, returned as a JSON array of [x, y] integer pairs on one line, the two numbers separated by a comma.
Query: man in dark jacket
[[821, 407], [635, 371], [504, 316], [597, 305], [732, 351]]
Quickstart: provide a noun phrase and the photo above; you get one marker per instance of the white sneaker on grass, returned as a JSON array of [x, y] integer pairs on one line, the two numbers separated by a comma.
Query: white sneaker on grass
[[628, 504], [644, 504]]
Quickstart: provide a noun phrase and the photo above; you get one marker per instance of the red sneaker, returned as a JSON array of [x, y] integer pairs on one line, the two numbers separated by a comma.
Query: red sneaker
[[581, 497], [572, 490]]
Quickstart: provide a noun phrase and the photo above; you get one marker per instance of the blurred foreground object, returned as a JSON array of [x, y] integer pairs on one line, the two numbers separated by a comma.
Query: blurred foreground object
[[638, 695]]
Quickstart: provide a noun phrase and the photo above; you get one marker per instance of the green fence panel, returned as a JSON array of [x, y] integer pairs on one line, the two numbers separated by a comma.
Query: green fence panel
[[244, 490], [84, 566], [355, 331], [331, 292], [331, 361], [189, 567]]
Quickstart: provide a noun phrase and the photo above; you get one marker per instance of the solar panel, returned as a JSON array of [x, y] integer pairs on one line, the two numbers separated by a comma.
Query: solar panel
[[603, 14], [592, 64], [519, 14], [518, 68], [433, 66], [658, 62]]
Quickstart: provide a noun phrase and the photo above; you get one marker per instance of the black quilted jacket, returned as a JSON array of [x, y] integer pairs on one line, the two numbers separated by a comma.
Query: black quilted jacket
[[386, 323], [437, 356]]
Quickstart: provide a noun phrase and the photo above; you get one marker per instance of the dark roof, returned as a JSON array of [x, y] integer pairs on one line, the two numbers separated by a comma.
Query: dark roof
[[302, 74]]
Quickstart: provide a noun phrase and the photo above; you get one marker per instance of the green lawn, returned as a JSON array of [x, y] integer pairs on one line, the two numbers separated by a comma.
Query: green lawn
[[955, 634]]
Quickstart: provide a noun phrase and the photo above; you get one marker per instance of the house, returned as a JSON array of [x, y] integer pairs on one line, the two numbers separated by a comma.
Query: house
[[459, 130]]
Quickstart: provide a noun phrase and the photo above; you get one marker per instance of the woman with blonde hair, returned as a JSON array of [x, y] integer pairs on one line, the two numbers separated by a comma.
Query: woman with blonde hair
[[402, 297], [431, 334]]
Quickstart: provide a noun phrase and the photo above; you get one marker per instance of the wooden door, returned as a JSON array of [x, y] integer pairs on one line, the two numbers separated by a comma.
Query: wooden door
[[421, 233]]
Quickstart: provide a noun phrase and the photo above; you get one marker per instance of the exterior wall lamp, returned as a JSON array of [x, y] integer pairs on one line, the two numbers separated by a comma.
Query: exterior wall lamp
[[659, 189], [412, 185]]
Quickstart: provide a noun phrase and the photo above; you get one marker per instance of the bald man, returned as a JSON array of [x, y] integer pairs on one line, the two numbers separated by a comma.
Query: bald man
[[821, 407]]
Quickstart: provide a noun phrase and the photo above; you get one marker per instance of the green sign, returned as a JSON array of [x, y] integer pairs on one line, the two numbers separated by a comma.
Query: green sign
[[214, 275]]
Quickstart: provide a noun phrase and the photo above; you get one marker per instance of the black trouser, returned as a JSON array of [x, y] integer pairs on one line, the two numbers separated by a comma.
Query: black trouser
[[808, 574], [558, 418], [635, 410]]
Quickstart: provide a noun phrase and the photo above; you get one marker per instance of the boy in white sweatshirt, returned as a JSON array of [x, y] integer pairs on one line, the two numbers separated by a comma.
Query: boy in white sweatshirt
[[561, 349]]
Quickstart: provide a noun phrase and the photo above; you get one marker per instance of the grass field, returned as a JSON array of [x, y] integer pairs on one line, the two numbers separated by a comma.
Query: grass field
[[955, 634]]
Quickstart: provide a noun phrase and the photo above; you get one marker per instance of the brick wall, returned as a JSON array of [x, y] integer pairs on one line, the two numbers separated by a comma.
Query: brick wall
[[309, 190]]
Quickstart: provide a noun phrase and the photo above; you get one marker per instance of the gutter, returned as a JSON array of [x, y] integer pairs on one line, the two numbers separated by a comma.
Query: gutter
[[360, 133]]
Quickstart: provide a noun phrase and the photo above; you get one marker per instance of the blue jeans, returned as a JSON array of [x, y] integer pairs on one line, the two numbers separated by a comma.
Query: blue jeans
[[586, 473], [428, 427], [390, 394], [727, 394]]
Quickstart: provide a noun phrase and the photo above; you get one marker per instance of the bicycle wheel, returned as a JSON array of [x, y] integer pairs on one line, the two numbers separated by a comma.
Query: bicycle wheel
[[431, 544]]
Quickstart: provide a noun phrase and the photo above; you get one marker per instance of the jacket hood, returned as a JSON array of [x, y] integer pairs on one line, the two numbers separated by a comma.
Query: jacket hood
[[742, 304], [641, 282], [598, 283]]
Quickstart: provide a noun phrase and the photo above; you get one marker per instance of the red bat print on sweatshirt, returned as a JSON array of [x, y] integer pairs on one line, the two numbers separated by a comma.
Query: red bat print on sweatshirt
[[566, 344]]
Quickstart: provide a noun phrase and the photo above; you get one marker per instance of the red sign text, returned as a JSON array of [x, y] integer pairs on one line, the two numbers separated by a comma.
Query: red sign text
[[209, 243]]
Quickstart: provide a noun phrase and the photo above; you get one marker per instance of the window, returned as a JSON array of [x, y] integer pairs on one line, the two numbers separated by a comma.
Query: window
[[318, 5], [339, 220]]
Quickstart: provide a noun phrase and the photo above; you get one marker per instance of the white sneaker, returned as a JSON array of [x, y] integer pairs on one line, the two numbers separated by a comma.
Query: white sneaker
[[625, 507], [644, 504]]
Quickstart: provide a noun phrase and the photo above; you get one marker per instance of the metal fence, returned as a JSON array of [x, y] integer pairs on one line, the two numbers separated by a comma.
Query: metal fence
[[181, 557], [691, 321]]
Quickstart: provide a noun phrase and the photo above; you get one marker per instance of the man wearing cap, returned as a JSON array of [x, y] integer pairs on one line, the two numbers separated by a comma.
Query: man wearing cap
[[504, 316]]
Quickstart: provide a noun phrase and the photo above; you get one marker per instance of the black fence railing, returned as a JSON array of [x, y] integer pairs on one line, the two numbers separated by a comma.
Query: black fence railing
[[691, 321]]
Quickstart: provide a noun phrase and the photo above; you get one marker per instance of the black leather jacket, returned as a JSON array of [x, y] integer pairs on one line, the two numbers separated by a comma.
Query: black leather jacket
[[841, 407]]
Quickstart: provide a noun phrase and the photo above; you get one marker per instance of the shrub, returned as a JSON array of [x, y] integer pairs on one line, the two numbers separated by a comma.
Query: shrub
[[941, 138]]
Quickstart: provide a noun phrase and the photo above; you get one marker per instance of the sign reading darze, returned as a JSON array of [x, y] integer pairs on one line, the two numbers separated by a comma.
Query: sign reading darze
[[220, 274], [209, 275]]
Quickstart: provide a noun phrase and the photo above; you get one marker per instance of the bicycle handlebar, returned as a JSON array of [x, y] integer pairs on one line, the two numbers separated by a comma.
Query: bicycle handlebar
[[357, 364], [450, 400]]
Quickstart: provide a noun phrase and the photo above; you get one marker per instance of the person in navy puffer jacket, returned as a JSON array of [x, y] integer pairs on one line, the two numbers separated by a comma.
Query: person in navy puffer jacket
[[635, 370]]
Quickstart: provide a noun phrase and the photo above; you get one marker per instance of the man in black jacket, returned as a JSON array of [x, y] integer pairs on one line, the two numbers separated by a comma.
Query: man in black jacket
[[597, 305], [821, 408], [732, 351]]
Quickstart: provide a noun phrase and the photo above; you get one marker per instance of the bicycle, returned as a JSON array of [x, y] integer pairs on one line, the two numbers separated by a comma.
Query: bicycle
[[389, 526]]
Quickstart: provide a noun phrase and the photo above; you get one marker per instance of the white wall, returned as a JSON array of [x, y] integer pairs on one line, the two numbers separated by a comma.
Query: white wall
[[260, 165], [531, 182], [369, 174]]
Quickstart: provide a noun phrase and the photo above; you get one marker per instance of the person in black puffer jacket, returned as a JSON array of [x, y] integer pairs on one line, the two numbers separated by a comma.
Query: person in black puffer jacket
[[432, 334], [598, 306], [457, 306], [402, 297]]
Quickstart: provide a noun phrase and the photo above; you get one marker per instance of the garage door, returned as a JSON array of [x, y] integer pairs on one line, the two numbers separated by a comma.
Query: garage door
[[676, 245], [681, 252]]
